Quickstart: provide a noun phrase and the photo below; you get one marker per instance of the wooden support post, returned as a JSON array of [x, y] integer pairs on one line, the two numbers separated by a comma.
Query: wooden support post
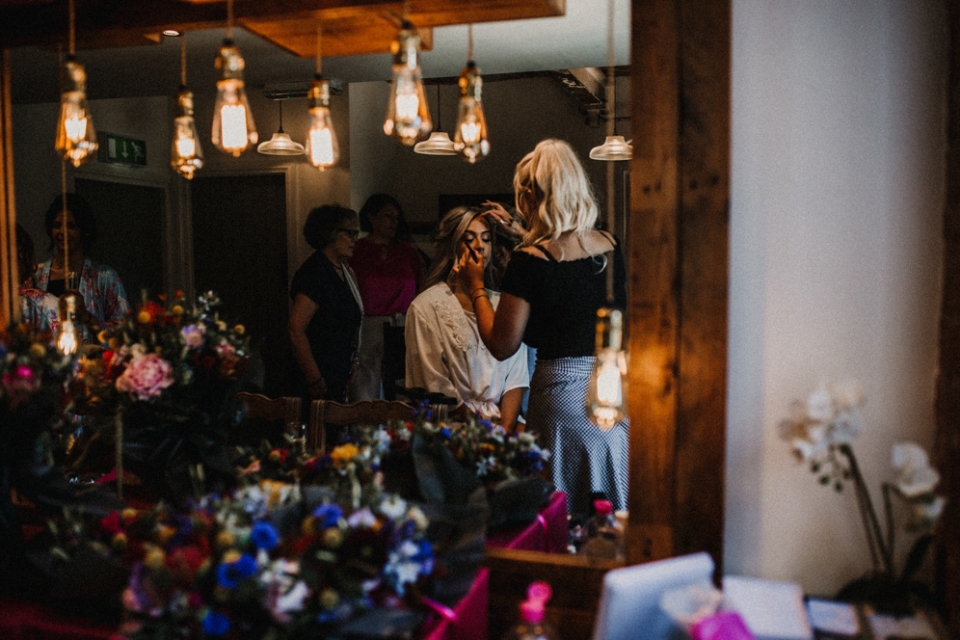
[[9, 302], [678, 252]]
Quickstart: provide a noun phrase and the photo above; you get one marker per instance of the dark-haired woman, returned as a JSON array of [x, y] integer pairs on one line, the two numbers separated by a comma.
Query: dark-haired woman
[[324, 326], [104, 298], [38, 308], [389, 272]]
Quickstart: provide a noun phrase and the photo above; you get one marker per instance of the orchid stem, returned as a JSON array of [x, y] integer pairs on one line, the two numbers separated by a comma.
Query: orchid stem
[[874, 534]]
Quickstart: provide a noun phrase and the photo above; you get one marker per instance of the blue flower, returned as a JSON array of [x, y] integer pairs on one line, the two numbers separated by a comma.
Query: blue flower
[[215, 624], [264, 535], [328, 514], [487, 424], [445, 432], [231, 574]]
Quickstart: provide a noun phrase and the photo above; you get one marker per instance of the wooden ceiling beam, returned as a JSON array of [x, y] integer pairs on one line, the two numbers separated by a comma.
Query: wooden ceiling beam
[[25, 22]]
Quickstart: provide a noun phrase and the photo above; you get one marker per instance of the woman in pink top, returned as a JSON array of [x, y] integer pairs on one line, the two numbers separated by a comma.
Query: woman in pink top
[[389, 272]]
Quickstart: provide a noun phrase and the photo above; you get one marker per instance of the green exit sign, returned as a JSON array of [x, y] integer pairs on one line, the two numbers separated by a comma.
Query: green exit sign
[[116, 149]]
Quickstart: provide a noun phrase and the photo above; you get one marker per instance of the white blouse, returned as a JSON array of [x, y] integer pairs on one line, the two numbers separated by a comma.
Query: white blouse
[[446, 355]]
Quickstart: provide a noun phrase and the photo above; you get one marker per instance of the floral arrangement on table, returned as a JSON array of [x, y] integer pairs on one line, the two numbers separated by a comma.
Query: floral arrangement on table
[[33, 399], [164, 379], [494, 455], [821, 431], [233, 567]]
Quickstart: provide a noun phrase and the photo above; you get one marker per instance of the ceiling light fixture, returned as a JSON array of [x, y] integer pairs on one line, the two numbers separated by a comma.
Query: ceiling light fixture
[[439, 143], [172, 33], [614, 147], [408, 115], [470, 136], [606, 390], [280, 143], [322, 147], [76, 136], [233, 127], [186, 155]]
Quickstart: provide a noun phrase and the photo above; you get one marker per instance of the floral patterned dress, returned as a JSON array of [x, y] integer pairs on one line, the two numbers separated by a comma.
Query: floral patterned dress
[[103, 293]]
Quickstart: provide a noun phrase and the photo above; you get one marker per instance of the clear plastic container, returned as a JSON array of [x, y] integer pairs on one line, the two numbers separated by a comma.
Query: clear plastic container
[[532, 625], [604, 533]]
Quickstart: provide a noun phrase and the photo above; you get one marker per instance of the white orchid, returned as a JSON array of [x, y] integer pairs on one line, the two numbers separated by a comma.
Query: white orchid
[[915, 476], [821, 431]]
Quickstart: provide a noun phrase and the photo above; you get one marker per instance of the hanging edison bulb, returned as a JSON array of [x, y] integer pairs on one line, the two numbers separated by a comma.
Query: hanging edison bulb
[[233, 127], [605, 392], [470, 138], [67, 335], [186, 156], [76, 136], [408, 115], [322, 147]]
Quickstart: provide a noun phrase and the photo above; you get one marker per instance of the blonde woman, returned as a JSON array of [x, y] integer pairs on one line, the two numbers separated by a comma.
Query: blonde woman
[[444, 351], [550, 293]]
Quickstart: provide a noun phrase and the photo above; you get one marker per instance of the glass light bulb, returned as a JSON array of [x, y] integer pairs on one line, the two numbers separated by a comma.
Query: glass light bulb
[[470, 136], [76, 136], [67, 337], [233, 127], [186, 156], [322, 147], [606, 391], [408, 115]]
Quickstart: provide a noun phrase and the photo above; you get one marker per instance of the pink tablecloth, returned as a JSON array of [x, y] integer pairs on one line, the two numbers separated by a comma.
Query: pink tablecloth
[[547, 533], [468, 620]]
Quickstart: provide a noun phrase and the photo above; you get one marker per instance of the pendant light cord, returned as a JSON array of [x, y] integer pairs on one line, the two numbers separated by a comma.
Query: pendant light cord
[[611, 176], [469, 42], [73, 27], [183, 59], [319, 50], [63, 224], [229, 19], [280, 104]]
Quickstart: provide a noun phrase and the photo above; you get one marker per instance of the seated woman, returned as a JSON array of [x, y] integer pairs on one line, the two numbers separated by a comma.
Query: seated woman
[[444, 351]]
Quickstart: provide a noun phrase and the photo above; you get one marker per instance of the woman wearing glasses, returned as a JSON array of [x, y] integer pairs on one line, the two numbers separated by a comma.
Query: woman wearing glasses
[[324, 325]]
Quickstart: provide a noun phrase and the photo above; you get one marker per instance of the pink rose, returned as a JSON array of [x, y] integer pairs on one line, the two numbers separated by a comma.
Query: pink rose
[[147, 376], [193, 336]]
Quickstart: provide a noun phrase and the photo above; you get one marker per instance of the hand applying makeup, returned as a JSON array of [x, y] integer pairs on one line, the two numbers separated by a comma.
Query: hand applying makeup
[[501, 218]]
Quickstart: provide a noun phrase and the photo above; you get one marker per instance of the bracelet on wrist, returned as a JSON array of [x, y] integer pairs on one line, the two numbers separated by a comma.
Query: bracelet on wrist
[[473, 293], [478, 296]]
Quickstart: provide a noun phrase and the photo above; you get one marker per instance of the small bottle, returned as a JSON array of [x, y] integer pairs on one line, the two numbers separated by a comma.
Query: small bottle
[[604, 535], [532, 625]]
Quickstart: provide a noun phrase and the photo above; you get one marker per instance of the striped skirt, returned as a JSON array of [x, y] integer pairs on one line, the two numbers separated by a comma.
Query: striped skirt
[[584, 459]]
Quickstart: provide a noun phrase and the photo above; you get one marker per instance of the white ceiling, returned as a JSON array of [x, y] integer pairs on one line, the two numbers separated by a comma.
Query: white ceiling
[[578, 39]]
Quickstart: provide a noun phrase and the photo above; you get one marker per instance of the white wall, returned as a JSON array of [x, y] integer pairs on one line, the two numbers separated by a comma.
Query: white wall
[[836, 240]]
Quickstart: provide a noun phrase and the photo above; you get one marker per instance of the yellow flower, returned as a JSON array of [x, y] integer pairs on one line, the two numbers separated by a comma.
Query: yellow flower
[[231, 556], [165, 532], [155, 558], [239, 329], [225, 540], [38, 350], [102, 336], [177, 310], [332, 538], [143, 317], [343, 454], [329, 599], [119, 542], [221, 325]]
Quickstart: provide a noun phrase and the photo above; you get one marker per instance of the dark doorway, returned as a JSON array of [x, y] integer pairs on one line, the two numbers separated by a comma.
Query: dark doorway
[[240, 252], [129, 232]]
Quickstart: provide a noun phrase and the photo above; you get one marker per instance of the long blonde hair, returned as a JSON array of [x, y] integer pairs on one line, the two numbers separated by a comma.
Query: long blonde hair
[[562, 198], [446, 245]]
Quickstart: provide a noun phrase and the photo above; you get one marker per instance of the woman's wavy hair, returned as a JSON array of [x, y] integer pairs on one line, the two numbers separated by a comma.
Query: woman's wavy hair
[[446, 245], [82, 215], [26, 257], [374, 204], [322, 223], [553, 194]]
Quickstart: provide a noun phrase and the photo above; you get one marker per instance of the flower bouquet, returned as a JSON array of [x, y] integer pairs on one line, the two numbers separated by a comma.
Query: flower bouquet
[[33, 398], [821, 431], [164, 383], [237, 566]]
